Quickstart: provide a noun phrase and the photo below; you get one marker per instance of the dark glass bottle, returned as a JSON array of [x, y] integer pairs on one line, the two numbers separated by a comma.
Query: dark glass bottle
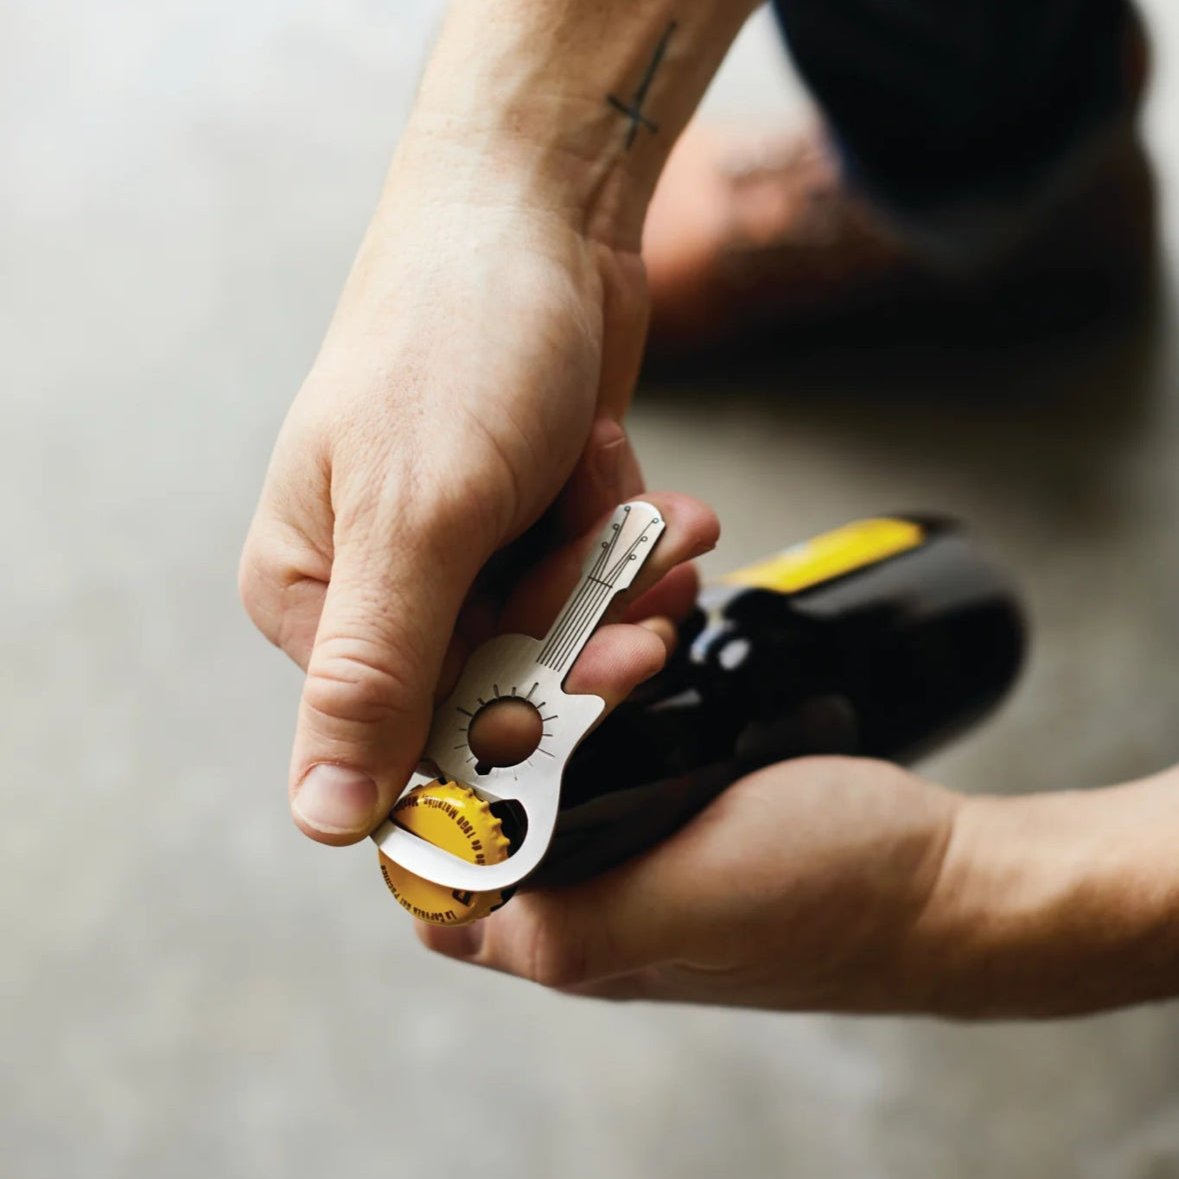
[[884, 639]]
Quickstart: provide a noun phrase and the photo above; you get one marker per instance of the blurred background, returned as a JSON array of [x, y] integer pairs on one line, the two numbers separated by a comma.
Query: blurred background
[[190, 988]]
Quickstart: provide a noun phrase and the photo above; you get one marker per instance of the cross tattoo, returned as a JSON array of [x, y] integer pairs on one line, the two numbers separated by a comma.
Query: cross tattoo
[[634, 109]]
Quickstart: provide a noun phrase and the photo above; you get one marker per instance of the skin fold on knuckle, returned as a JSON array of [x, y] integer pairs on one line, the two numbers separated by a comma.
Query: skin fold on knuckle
[[279, 553], [488, 490], [267, 573], [409, 531], [257, 589], [358, 681], [550, 950], [636, 986]]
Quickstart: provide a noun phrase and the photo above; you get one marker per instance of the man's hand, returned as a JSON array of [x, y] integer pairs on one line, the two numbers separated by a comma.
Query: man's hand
[[838, 884], [798, 888], [451, 403], [495, 313]]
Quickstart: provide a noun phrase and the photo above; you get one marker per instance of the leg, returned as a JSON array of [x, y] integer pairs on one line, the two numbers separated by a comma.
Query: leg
[[947, 144], [953, 117]]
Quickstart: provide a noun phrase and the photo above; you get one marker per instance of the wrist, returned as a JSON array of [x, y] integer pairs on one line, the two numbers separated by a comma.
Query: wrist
[[568, 109], [1053, 905]]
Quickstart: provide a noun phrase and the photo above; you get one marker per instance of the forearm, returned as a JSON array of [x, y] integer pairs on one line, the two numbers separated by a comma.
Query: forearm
[[570, 105], [1057, 904]]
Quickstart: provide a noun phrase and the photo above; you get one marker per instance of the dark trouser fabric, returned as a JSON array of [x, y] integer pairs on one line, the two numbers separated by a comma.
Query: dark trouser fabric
[[939, 104]]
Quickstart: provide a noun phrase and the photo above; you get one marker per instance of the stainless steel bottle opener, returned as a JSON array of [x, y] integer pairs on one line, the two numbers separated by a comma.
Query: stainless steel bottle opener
[[532, 670]]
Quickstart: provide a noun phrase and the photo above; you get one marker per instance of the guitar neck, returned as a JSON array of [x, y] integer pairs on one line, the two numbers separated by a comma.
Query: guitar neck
[[610, 569]]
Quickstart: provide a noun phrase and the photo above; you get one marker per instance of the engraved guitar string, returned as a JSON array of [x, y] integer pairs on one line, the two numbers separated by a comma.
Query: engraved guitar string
[[573, 607], [592, 606], [581, 613]]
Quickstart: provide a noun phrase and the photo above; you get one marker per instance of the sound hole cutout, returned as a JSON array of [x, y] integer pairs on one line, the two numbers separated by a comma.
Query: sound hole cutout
[[504, 733]]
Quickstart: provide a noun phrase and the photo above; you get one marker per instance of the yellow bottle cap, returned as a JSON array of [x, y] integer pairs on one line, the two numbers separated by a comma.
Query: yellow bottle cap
[[456, 819]]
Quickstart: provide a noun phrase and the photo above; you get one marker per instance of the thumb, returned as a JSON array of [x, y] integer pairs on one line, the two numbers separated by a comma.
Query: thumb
[[368, 696]]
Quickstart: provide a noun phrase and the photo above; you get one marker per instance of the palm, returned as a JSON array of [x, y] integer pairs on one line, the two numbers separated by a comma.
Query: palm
[[796, 888], [816, 867]]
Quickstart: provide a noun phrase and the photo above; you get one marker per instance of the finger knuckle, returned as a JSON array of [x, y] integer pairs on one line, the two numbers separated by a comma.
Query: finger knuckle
[[357, 681], [257, 590], [554, 957]]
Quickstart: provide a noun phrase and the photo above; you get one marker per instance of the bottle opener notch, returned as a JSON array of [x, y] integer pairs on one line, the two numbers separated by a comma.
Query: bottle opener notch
[[532, 670]]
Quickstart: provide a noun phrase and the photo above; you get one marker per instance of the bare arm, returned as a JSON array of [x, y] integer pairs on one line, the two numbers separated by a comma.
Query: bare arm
[[571, 103], [1057, 904]]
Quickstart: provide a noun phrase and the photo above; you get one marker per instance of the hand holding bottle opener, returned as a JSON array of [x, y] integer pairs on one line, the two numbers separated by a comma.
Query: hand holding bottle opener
[[532, 670]]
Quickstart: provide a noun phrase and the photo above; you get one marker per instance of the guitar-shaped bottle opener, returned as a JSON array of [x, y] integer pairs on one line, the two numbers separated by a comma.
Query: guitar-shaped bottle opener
[[533, 671]]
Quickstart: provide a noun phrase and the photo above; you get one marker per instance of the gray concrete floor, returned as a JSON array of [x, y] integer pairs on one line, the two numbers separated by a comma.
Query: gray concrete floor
[[189, 988]]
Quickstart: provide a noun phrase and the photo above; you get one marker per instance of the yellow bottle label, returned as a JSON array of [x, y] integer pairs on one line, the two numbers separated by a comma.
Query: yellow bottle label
[[834, 554]]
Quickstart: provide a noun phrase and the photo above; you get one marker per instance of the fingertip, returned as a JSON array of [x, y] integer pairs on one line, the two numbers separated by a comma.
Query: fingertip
[[335, 804], [605, 434], [697, 526], [663, 629], [461, 942]]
